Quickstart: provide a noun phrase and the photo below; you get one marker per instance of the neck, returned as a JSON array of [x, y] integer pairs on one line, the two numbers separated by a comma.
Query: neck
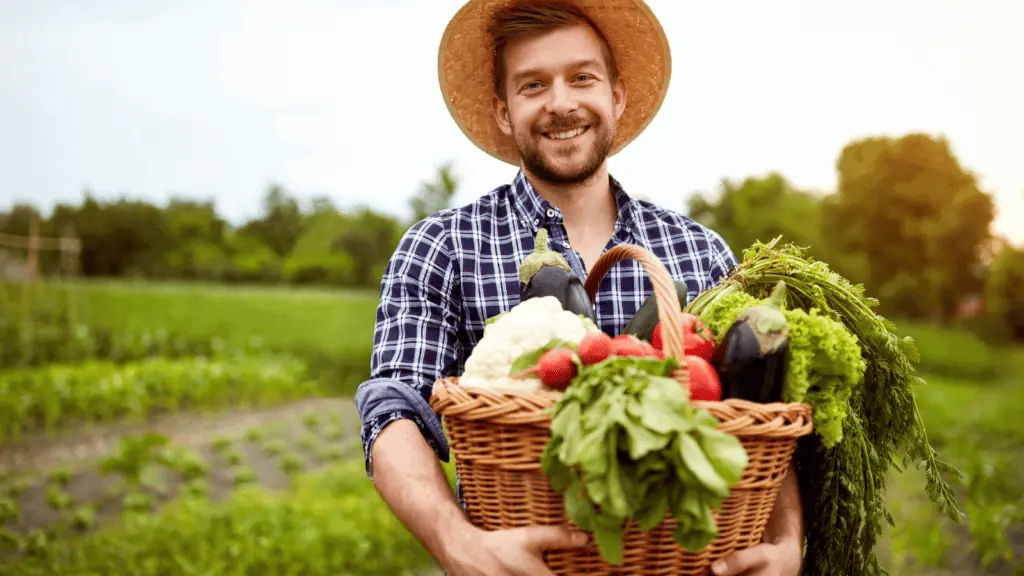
[[585, 205]]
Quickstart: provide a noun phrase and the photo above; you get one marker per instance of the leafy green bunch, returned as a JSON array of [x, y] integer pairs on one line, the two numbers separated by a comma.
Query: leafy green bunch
[[627, 445], [825, 363], [842, 483]]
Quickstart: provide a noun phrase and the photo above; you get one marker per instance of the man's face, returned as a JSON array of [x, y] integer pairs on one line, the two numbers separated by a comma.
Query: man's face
[[561, 104]]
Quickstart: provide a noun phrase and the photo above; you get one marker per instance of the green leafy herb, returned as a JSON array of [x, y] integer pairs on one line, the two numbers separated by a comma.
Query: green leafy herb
[[626, 445], [842, 483]]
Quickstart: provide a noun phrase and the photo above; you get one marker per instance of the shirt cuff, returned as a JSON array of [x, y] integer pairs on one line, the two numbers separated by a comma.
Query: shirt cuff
[[374, 426]]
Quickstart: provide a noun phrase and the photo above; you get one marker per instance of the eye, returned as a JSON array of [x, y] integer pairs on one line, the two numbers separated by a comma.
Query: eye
[[531, 85], [583, 77]]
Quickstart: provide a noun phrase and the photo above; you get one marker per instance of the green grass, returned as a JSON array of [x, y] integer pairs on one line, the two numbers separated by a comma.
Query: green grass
[[333, 322], [332, 330], [952, 353]]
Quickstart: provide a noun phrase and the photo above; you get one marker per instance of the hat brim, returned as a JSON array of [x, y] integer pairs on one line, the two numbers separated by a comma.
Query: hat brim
[[465, 69]]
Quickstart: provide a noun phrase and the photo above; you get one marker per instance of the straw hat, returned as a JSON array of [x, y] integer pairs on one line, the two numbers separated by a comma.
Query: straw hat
[[465, 69]]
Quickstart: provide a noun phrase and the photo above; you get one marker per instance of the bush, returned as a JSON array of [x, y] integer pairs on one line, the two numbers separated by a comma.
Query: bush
[[332, 522]]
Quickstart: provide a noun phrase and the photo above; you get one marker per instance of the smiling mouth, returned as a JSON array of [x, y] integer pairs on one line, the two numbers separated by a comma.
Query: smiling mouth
[[566, 135]]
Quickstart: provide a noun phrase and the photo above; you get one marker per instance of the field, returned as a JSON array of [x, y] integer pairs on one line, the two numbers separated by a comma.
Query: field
[[187, 429]]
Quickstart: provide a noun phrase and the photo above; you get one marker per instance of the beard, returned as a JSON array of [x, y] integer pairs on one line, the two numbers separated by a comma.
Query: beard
[[552, 169]]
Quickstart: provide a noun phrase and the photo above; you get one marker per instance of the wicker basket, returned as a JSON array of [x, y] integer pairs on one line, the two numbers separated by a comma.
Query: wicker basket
[[497, 439]]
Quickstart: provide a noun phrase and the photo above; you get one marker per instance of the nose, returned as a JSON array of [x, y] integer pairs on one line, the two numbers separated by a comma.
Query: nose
[[561, 99]]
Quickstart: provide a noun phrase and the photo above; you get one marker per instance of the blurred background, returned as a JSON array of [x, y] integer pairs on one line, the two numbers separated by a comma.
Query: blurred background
[[197, 200]]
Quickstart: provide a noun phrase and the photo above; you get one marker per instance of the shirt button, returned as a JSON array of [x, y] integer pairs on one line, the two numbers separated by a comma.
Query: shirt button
[[551, 213], [536, 220]]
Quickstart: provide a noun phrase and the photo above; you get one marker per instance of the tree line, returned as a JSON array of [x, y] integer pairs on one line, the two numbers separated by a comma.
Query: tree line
[[188, 240], [907, 220]]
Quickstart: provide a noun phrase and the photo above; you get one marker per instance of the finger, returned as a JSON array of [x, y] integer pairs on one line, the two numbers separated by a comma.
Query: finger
[[535, 566], [540, 538], [740, 561]]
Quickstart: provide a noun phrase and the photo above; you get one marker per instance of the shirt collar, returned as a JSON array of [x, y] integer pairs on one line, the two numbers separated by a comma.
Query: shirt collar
[[535, 211]]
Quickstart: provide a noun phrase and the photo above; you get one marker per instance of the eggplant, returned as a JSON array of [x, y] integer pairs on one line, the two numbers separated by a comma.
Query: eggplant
[[646, 318], [546, 273], [752, 359]]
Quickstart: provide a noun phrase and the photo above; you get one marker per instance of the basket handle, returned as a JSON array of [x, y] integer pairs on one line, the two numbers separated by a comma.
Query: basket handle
[[670, 315]]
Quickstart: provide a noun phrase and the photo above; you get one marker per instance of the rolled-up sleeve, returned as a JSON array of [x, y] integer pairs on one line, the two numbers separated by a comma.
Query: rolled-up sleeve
[[415, 338]]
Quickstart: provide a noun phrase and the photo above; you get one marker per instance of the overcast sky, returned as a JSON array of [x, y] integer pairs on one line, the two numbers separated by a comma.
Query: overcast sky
[[215, 99]]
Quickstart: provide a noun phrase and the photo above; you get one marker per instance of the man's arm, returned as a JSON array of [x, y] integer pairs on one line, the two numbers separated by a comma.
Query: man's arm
[[414, 345], [411, 480], [786, 524]]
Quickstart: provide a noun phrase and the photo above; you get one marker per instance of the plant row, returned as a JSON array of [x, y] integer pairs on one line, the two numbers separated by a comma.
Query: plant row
[[58, 396], [329, 522]]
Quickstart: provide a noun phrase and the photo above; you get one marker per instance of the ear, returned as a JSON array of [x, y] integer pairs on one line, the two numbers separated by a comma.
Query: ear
[[619, 97], [501, 115]]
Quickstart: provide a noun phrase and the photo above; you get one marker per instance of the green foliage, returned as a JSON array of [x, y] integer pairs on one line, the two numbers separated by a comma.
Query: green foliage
[[917, 218], [843, 487], [626, 445], [331, 522], [825, 366], [56, 395], [435, 196], [188, 240], [1004, 293], [952, 352], [762, 209], [979, 431], [49, 335]]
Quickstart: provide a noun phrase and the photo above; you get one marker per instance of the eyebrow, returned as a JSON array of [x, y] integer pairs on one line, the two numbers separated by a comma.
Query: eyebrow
[[582, 62]]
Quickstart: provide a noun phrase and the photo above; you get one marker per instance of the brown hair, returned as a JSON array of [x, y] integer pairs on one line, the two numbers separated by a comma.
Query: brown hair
[[525, 18]]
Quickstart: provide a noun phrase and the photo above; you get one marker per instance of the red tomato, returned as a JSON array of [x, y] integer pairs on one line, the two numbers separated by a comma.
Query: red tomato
[[704, 382], [627, 345], [697, 338]]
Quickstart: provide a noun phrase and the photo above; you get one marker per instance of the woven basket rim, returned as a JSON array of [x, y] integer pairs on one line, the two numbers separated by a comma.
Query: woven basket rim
[[532, 408]]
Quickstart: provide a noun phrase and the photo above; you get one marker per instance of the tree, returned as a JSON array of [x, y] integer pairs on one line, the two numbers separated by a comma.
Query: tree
[[281, 223], [435, 196], [918, 218], [761, 209], [1004, 293]]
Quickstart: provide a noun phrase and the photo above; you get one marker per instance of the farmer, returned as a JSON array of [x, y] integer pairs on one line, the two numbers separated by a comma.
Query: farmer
[[553, 89]]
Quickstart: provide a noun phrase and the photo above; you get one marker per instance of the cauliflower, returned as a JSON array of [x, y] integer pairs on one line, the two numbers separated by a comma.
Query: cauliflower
[[526, 327]]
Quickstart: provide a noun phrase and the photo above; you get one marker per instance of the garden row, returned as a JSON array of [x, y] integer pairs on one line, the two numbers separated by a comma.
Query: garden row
[[164, 416], [325, 522]]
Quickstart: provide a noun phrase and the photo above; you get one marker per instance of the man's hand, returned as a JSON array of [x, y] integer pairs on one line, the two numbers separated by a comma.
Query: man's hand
[[781, 552], [512, 552], [410, 479], [781, 559]]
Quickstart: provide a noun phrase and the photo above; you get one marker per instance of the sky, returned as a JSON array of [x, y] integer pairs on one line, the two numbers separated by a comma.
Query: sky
[[217, 99]]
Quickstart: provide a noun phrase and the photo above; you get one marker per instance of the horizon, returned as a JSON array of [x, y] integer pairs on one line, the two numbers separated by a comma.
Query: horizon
[[216, 102]]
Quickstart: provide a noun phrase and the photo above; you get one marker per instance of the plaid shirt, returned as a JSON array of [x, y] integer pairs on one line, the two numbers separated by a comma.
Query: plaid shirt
[[457, 268]]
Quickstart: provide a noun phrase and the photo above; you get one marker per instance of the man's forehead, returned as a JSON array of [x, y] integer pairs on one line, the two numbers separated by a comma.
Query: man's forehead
[[556, 50]]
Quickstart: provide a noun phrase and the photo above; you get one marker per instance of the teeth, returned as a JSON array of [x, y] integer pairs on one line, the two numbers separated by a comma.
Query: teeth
[[566, 135]]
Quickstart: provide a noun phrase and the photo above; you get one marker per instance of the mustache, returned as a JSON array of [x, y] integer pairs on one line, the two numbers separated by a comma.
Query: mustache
[[563, 123]]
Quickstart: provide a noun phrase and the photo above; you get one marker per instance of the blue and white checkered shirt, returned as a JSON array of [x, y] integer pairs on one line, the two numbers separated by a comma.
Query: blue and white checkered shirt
[[457, 268]]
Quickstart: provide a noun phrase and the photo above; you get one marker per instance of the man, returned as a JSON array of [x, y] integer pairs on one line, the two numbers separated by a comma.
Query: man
[[542, 86]]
